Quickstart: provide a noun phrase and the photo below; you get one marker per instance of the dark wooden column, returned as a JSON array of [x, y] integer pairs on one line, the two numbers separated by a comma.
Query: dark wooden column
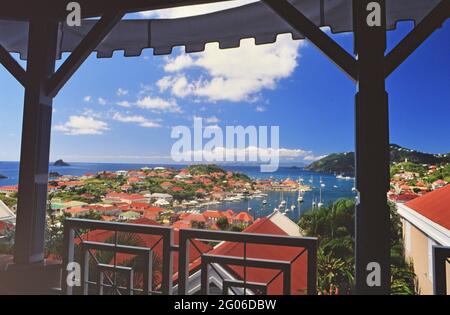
[[372, 152], [34, 157]]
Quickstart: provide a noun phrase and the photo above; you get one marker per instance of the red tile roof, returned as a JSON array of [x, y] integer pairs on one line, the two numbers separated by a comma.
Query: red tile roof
[[10, 188], [228, 213], [124, 196], [213, 214], [5, 226], [243, 216], [262, 251], [434, 205], [403, 197], [182, 224], [194, 217]]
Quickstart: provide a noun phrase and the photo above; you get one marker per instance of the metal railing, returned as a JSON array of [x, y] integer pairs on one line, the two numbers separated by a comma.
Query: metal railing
[[97, 275], [441, 257], [309, 245], [72, 228]]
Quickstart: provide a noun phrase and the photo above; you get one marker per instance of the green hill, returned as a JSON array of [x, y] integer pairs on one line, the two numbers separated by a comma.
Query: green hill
[[340, 163], [400, 154], [343, 163]]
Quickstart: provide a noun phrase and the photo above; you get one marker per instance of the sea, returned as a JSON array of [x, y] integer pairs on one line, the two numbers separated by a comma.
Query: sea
[[331, 190]]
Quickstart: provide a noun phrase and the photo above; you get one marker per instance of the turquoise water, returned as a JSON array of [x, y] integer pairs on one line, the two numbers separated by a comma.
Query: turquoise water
[[333, 190]]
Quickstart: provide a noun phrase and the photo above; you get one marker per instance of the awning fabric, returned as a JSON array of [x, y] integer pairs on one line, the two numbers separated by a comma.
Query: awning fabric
[[226, 27]]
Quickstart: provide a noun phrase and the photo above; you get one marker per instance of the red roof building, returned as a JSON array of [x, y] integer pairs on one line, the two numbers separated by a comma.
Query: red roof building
[[115, 197], [191, 217], [166, 185], [182, 224], [403, 197], [9, 189], [242, 218], [134, 180], [273, 252], [212, 215], [434, 205], [426, 223]]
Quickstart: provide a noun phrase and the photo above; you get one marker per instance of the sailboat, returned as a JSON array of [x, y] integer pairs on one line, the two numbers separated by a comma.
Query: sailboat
[[321, 182], [320, 203], [300, 195], [283, 202]]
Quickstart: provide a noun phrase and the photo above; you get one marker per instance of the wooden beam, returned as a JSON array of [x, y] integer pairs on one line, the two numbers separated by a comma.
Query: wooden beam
[[13, 66], [417, 36], [372, 234], [82, 52], [312, 32]]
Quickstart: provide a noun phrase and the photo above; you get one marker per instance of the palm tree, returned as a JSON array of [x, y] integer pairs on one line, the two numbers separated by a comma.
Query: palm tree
[[137, 263], [333, 225]]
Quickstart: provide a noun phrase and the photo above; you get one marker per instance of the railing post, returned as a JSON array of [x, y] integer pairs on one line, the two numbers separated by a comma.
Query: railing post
[[68, 256], [287, 281], [440, 256], [204, 286], [84, 270], [148, 273], [100, 282], [167, 263], [312, 269], [183, 262]]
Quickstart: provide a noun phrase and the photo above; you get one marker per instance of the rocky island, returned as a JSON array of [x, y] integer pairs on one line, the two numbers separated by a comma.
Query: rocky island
[[60, 163]]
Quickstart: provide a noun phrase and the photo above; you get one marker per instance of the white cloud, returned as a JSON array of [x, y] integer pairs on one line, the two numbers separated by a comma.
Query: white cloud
[[121, 92], [194, 9], [123, 104], [88, 112], [158, 104], [260, 109], [178, 85], [141, 120], [102, 101], [262, 153], [181, 62], [87, 99], [312, 158], [82, 125], [234, 75]]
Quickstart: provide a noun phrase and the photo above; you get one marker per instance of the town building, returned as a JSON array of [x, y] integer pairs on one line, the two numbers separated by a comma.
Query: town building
[[426, 223]]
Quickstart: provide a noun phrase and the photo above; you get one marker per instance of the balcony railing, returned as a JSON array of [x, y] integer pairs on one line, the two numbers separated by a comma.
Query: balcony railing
[[105, 261], [441, 257], [73, 232]]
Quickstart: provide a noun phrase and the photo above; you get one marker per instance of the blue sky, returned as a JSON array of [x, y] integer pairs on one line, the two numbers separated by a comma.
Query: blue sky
[[123, 109]]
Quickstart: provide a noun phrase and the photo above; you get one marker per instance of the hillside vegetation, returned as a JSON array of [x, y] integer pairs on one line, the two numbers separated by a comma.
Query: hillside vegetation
[[343, 163]]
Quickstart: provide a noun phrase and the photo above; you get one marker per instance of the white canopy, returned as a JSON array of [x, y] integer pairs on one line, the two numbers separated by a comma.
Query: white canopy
[[227, 27]]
